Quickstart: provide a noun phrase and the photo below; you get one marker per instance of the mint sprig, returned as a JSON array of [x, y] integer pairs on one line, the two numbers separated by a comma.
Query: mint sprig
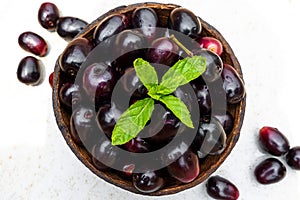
[[134, 119]]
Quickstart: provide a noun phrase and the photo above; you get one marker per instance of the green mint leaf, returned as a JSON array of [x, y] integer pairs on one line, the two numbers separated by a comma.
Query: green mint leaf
[[181, 73], [132, 121], [145, 72], [178, 108]]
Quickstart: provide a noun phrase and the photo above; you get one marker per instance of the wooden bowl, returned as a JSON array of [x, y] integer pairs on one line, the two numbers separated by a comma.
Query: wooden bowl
[[211, 163]]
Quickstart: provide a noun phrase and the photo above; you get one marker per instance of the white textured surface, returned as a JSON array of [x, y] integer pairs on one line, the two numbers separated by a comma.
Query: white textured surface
[[36, 163]]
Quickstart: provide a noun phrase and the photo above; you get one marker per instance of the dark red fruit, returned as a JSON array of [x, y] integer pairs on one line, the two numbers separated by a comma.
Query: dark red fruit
[[204, 99], [232, 84], [69, 27], [226, 120], [211, 44], [214, 65], [48, 15], [33, 43], [210, 138], [107, 117], [30, 71], [293, 158], [270, 171], [145, 19], [186, 168], [109, 27], [104, 154], [74, 55], [163, 51], [184, 21], [220, 188], [50, 79], [98, 81], [69, 94], [82, 124], [147, 182], [137, 145], [273, 141]]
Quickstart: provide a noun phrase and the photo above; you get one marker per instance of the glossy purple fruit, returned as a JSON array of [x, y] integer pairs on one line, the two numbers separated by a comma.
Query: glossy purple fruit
[[30, 71], [33, 43], [226, 120], [69, 27], [204, 99], [98, 81], [210, 138], [137, 145], [211, 44], [147, 182], [184, 21], [74, 55], [270, 171], [104, 154], [145, 19], [48, 15], [232, 84], [107, 117], [109, 27], [69, 94], [214, 65], [273, 141], [293, 158], [220, 188], [186, 168], [82, 124], [163, 51]]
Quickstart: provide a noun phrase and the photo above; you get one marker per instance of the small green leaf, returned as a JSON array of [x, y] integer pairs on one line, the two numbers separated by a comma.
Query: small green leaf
[[132, 121], [181, 73], [178, 108], [145, 72]]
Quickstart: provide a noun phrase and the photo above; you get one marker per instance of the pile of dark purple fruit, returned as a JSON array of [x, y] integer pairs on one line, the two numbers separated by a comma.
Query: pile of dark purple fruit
[[86, 92]]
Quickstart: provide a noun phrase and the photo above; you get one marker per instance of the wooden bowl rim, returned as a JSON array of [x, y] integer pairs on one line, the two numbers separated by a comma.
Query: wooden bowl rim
[[76, 150]]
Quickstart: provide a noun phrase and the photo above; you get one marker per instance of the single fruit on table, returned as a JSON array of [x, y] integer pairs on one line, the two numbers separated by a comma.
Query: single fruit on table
[[104, 154], [107, 117], [50, 79], [137, 145], [69, 94], [270, 171], [186, 168], [74, 55], [33, 43], [98, 81], [184, 21], [69, 27], [210, 139], [48, 15], [293, 158], [226, 120], [147, 182], [82, 124], [220, 188], [163, 51], [211, 44], [30, 71], [214, 65], [145, 19], [109, 27], [273, 141]]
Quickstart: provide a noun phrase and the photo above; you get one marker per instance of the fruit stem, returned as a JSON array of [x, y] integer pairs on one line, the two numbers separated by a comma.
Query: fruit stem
[[188, 52]]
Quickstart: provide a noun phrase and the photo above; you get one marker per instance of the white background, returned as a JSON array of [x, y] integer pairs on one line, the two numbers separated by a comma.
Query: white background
[[36, 163]]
